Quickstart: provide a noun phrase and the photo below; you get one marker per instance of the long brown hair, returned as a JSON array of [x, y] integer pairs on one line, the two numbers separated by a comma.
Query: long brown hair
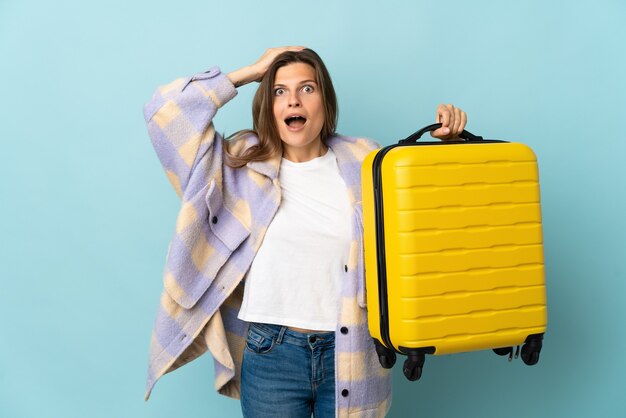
[[264, 126]]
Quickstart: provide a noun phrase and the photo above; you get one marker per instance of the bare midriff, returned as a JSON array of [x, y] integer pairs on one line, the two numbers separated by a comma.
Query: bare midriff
[[307, 331]]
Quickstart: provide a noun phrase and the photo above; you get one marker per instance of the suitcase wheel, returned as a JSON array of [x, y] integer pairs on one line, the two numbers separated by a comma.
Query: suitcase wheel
[[387, 361], [530, 352], [413, 366], [386, 356]]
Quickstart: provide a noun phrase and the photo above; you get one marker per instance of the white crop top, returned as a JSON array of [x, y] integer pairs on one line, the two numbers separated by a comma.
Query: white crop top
[[295, 278]]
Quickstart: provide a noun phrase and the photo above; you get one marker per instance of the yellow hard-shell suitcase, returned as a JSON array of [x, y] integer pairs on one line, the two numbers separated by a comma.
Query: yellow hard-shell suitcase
[[453, 249]]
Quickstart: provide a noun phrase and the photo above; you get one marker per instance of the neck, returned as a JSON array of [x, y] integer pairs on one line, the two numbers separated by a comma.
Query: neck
[[301, 155]]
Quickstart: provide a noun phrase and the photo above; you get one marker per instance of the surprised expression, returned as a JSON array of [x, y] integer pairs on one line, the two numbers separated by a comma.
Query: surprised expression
[[298, 107]]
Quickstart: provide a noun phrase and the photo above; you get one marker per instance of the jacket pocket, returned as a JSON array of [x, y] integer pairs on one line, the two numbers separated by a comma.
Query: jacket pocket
[[198, 252], [226, 226]]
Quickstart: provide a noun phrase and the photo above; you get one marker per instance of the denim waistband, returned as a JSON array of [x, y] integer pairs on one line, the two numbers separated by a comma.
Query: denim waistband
[[284, 334]]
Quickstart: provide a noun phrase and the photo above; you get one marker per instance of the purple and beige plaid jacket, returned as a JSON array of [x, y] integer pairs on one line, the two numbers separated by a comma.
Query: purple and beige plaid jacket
[[219, 229]]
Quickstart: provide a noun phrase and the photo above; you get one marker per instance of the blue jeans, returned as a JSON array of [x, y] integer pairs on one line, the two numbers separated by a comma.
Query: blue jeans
[[287, 374]]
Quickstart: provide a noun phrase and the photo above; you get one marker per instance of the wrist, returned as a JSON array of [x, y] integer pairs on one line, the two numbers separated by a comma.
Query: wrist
[[243, 76]]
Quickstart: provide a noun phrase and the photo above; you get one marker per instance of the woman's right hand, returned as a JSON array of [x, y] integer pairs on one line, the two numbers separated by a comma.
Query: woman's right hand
[[256, 71]]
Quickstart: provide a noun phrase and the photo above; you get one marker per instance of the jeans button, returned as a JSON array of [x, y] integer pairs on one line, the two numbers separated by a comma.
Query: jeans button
[[312, 339]]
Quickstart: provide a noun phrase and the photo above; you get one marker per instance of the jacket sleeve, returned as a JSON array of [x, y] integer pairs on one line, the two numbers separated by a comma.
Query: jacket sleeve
[[179, 118]]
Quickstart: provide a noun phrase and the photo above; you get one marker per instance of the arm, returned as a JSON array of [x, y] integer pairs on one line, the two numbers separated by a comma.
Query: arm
[[179, 118], [180, 114]]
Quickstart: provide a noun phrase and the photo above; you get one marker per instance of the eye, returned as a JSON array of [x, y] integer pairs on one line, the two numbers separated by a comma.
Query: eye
[[279, 91], [307, 89]]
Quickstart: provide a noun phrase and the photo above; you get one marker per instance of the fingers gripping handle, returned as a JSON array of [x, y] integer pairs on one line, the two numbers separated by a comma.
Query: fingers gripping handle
[[417, 135]]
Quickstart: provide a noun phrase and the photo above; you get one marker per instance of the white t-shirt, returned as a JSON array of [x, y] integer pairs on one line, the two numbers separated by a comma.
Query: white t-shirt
[[295, 278]]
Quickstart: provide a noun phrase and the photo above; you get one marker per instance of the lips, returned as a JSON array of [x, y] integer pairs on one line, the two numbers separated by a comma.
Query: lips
[[295, 122]]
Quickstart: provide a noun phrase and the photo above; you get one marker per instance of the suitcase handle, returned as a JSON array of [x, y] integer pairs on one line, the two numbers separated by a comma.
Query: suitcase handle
[[417, 135]]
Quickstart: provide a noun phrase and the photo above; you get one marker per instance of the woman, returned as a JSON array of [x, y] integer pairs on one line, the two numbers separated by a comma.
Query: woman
[[278, 206]]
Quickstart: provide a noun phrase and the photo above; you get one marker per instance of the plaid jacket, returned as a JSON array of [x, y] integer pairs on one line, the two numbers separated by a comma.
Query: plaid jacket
[[222, 220]]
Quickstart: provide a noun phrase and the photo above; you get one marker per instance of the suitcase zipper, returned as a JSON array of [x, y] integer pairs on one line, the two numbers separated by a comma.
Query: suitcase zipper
[[380, 245]]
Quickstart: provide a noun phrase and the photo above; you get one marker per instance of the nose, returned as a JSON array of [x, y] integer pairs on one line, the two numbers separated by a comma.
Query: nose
[[294, 100]]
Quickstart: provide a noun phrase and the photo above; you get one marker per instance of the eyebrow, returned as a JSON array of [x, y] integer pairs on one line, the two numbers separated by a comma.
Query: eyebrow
[[302, 82]]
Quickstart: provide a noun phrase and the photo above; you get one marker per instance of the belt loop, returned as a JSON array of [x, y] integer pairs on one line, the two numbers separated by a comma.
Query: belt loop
[[281, 333]]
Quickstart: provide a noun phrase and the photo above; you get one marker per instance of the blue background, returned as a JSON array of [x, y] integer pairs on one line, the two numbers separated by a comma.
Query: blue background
[[87, 211]]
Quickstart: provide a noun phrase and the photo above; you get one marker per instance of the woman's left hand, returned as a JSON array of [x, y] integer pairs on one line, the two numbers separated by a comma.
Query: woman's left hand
[[453, 121]]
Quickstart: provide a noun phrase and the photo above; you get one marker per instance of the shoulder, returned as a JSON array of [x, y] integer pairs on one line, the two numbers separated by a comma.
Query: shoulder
[[356, 147], [358, 142], [238, 143]]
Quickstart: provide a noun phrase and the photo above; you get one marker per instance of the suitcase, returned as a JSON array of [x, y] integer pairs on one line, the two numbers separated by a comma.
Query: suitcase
[[453, 249]]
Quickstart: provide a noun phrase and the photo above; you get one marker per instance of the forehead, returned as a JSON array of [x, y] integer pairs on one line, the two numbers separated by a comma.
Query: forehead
[[294, 73]]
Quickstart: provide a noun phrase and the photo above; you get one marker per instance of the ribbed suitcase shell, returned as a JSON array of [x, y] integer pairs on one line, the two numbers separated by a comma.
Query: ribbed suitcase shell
[[462, 245]]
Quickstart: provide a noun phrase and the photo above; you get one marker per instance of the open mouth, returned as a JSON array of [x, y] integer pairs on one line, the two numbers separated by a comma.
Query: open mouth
[[295, 122]]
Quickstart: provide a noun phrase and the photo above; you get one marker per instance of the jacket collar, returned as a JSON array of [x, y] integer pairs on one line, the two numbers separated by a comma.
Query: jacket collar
[[341, 146], [268, 168]]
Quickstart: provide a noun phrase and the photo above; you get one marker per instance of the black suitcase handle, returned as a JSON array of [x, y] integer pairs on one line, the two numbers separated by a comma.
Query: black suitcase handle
[[417, 135]]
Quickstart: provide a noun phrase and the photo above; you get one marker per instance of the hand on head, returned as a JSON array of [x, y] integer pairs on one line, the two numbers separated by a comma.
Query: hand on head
[[256, 71], [268, 57]]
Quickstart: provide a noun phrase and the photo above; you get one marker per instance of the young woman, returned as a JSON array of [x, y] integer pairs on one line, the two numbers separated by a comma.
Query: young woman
[[265, 269]]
